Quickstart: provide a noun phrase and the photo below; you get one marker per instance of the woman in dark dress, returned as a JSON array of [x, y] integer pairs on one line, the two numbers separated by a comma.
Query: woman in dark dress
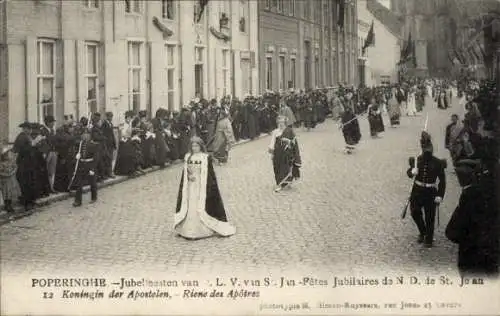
[[161, 148], [375, 119], [147, 143], [285, 152], [129, 156], [309, 114], [350, 129]]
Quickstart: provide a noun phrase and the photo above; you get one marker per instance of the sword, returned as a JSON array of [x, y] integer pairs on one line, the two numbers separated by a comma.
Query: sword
[[79, 157], [437, 214], [76, 165]]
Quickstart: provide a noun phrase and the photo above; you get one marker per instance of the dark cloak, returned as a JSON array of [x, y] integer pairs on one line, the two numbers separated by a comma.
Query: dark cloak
[[286, 157], [473, 227], [350, 128], [26, 167]]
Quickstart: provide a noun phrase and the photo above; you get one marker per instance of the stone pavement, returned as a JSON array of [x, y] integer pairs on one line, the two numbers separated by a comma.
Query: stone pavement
[[343, 215], [20, 213]]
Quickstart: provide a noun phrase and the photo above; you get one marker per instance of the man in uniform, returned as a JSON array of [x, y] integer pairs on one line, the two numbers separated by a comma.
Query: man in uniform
[[426, 194], [85, 169]]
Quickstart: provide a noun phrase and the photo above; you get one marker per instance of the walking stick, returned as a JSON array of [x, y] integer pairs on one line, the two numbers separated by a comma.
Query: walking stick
[[352, 120], [437, 214]]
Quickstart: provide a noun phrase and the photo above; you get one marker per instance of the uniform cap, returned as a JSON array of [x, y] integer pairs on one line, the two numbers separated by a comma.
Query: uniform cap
[[425, 140]]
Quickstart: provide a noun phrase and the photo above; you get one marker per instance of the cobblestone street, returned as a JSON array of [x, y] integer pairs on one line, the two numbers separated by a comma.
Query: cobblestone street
[[343, 215]]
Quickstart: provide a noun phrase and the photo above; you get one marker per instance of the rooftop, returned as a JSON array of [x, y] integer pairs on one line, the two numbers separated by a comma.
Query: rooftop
[[385, 16]]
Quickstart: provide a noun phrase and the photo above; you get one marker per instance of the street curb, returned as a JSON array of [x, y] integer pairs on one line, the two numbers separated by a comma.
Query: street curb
[[6, 218]]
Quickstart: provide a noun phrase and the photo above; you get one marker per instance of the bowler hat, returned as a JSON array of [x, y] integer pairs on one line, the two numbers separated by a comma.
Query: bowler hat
[[25, 124]]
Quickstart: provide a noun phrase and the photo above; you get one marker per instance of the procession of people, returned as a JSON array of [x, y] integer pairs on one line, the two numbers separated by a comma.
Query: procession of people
[[45, 160]]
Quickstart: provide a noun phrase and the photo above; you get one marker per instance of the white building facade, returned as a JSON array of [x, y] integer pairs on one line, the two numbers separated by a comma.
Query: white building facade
[[381, 58], [364, 72], [76, 57]]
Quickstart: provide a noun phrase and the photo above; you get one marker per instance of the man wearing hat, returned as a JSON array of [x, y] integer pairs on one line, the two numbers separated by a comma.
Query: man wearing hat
[[49, 148], [426, 194], [97, 136], [473, 224], [85, 168], [110, 144], [26, 165]]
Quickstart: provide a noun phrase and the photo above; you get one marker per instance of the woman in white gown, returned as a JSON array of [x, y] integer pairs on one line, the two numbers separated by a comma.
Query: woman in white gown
[[200, 210], [412, 105]]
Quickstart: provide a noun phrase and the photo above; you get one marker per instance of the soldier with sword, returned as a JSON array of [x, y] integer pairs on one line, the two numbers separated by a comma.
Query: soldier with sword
[[85, 168], [426, 195]]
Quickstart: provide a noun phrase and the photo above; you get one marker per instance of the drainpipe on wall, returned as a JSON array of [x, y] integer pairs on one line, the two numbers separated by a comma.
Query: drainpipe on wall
[[114, 21]]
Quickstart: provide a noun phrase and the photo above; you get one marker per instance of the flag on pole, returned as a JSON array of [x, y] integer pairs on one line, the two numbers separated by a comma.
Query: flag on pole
[[408, 52], [370, 39], [453, 57], [480, 47], [341, 12], [202, 4], [459, 56]]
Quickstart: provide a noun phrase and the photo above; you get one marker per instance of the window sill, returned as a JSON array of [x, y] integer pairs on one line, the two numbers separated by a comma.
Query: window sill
[[164, 19], [91, 10], [134, 14]]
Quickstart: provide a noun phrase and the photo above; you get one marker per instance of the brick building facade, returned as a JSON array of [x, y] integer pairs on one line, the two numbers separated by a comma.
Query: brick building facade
[[75, 57], [301, 45]]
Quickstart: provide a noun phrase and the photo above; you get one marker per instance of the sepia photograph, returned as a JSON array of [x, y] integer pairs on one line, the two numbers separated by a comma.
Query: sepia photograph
[[249, 157]]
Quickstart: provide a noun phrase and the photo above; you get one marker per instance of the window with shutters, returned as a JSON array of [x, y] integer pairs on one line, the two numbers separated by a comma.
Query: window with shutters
[[168, 9], [293, 72], [135, 69], [226, 72], [46, 75], [317, 71], [269, 73], [91, 4], [170, 75], [199, 72], [268, 5], [291, 8], [92, 76], [243, 16], [133, 6], [306, 6], [282, 73], [279, 6]]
